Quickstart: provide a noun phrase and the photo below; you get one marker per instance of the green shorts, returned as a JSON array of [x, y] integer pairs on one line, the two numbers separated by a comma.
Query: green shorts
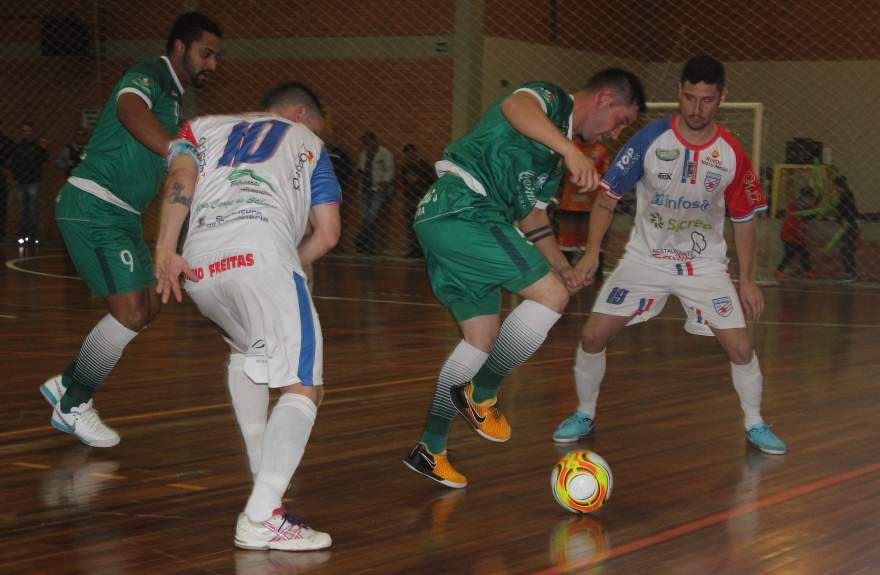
[[470, 260], [105, 242]]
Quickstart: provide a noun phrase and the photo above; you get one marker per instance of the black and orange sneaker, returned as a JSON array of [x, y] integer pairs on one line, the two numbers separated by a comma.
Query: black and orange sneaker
[[484, 417], [436, 467]]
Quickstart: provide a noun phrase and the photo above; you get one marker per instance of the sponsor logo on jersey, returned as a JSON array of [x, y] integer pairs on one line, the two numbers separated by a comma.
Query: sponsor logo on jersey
[[142, 82], [656, 220], [667, 155], [712, 181], [673, 254], [530, 183], [249, 181], [627, 160], [723, 306], [549, 96], [751, 187], [680, 203], [225, 264], [617, 296], [664, 176], [699, 242], [713, 161], [675, 224]]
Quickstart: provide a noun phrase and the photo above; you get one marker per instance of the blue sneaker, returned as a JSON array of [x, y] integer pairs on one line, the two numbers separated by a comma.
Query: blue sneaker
[[574, 427], [762, 437]]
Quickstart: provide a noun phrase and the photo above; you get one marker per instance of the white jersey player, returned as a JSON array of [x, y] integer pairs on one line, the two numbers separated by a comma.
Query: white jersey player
[[251, 184], [687, 171]]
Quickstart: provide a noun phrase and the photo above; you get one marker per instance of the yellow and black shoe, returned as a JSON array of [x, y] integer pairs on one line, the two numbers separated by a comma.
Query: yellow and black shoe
[[436, 467], [484, 417]]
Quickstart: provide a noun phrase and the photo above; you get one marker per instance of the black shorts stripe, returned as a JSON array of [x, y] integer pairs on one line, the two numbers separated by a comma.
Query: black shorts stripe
[[517, 258], [105, 269]]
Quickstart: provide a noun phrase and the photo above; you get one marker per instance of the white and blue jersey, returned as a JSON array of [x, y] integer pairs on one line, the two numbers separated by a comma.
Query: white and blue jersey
[[259, 175], [682, 194]]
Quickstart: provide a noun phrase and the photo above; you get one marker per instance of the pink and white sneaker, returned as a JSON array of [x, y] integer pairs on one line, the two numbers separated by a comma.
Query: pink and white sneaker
[[282, 531]]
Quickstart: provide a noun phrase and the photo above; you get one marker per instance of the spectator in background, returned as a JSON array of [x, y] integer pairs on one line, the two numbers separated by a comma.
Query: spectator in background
[[847, 217], [416, 176], [793, 233], [376, 172], [26, 161], [5, 151], [71, 154]]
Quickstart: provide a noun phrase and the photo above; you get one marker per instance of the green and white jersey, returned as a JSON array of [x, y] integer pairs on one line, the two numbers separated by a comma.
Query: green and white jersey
[[116, 167], [507, 173]]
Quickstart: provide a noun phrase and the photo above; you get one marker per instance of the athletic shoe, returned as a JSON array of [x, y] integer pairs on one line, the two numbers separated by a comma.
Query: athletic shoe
[[779, 274], [84, 422], [574, 427], [282, 531], [483, 417], [436, 467], [53, 389], [762, 437]]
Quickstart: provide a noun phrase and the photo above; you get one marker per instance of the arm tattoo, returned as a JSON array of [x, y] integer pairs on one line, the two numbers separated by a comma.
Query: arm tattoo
[[175, 195]]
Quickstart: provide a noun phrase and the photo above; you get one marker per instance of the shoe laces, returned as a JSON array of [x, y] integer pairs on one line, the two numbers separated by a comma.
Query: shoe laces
[[88, 415]]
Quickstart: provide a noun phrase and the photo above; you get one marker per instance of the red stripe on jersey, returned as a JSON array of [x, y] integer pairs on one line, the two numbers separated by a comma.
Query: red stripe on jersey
[[185, 133], [690, 268]]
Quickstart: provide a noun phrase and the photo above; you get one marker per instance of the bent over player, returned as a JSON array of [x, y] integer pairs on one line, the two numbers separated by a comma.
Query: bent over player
[[251, 184], [504, 172], [686, 170], [99, 209]]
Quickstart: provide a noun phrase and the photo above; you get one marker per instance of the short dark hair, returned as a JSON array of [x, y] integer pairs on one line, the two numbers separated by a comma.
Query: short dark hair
[[626, 85], [292, 94], [704, 69], [189, 27]]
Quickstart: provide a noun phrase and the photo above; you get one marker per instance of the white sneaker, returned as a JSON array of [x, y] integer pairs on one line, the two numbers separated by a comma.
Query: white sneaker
[[84, 422], [282, 531], [53, 389]]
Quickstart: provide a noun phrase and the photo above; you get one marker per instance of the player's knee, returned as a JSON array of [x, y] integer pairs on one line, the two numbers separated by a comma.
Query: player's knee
[[741, 354], [136, 318], [313, 392], [555, 297], [593, 340]]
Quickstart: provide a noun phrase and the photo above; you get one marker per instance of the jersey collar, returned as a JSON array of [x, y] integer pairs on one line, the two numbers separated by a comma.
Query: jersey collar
[[687, 144], [173, 74]]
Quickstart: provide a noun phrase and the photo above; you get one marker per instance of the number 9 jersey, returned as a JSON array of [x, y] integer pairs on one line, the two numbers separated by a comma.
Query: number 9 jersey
[[258, 177]]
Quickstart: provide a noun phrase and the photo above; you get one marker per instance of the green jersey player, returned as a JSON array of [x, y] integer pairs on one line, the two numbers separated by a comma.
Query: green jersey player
[[483, 227], [99, 213]]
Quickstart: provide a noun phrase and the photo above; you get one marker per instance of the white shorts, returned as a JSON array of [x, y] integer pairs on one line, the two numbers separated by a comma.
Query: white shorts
[[269, 316], [641, 291]]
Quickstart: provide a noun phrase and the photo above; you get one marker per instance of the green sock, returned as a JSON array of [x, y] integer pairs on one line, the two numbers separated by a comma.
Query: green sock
[[486, 383], [435, 434], [76, 393], [458, 369], [516, 342]]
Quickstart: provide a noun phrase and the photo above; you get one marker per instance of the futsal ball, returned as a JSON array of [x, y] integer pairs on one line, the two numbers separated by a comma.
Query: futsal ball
[[581, 481]]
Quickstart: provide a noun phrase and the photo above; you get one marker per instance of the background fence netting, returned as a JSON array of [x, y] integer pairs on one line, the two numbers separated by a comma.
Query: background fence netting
[[420, 72]]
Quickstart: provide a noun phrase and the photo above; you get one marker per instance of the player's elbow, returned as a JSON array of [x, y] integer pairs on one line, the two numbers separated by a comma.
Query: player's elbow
[[329, 236]]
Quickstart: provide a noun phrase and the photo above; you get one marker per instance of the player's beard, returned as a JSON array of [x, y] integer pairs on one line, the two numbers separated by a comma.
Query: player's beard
[[197, 79]]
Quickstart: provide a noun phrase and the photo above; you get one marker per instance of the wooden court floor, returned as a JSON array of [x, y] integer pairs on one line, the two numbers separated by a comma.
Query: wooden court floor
[[689, 496]]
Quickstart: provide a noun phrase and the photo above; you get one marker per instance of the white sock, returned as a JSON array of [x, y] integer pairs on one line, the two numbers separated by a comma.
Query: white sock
[[250, 401], [749, 383], [284, 443], [589, 371]]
